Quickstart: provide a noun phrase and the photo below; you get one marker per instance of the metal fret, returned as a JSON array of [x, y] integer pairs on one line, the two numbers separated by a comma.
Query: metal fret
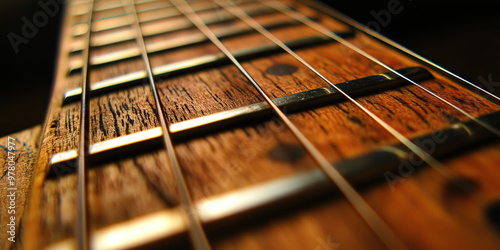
[[134, 78], [148, 6], [99, 6], [272, 196], [165, 26]]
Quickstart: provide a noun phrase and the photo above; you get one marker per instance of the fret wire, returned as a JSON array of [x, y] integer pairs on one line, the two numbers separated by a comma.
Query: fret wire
[[381, 229], [83, 148], [357, 25], [196, 231], [296, 15], [162, 5]]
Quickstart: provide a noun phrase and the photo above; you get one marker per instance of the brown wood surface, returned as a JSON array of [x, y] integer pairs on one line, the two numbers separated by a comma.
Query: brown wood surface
[[420, 208], [25, 151]]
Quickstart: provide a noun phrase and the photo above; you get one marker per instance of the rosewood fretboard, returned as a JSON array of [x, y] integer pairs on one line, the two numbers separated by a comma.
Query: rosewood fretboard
[[422, 157]]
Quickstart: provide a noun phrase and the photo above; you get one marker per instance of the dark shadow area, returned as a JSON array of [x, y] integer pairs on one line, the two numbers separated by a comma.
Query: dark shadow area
[[27, 74], [461, 36]]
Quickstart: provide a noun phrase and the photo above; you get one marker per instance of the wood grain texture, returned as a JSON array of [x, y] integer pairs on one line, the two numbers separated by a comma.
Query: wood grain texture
[[419, 208], [25, 153]]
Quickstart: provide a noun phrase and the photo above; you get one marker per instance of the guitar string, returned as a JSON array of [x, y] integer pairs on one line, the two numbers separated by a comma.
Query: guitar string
[[83, 148], [197, 233], [434, 163], [372, 33], [305, 20], [386, 235]]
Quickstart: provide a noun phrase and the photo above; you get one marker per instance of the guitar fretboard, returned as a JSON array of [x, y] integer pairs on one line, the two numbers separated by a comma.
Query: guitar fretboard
[[192, 114]]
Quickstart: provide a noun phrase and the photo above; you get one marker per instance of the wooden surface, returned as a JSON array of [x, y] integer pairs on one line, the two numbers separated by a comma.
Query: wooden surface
[[25, 154], [420, 208]]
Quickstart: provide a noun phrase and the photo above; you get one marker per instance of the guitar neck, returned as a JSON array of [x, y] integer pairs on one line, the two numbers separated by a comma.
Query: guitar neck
[[252, 125]]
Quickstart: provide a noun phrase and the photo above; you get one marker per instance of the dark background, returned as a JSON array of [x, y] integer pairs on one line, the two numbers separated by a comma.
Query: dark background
[[462, 36]]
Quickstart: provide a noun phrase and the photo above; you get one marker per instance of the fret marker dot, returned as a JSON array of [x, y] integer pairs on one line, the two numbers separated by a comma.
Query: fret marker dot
[[281, 70]]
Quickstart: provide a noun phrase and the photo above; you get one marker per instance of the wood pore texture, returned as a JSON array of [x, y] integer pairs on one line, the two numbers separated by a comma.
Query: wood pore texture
[[420, 209]]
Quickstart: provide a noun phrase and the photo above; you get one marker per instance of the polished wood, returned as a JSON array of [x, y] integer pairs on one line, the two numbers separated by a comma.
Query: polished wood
[[422, 208]]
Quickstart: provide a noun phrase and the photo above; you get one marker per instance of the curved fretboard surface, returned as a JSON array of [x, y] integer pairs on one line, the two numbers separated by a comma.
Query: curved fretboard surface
[[351, 145]]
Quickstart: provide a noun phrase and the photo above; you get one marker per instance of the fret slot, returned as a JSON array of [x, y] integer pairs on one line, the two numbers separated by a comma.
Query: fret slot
[[165, 26], [217, 212], [177, 42], [110, 149], [135, 78]]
